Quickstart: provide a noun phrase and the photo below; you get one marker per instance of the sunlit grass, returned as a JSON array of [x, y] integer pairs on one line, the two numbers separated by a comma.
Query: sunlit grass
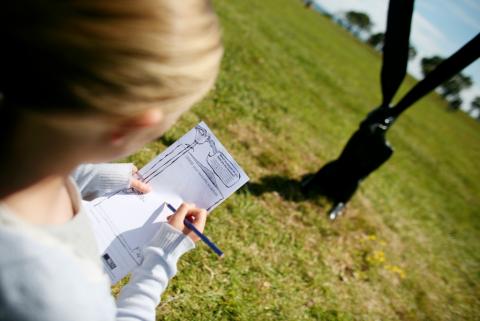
[[292, 89]]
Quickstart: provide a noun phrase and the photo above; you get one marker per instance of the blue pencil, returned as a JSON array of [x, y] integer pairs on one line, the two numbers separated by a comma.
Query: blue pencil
[[205, 239]]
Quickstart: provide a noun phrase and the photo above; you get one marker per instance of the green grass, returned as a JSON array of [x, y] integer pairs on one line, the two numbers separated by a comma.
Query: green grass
[[292, 89]]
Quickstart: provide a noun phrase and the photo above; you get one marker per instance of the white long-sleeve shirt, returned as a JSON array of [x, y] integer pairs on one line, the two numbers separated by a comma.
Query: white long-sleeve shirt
[[54, 273]]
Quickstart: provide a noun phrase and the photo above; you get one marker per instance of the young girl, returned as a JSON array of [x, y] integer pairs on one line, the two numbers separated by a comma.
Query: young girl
[[90, 81]]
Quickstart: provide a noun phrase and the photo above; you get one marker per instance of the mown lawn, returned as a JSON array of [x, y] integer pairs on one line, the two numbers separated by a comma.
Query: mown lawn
[[292, 88]]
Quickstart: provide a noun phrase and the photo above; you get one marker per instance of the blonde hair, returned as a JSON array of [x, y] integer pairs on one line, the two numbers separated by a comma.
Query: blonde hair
[[116, 57]]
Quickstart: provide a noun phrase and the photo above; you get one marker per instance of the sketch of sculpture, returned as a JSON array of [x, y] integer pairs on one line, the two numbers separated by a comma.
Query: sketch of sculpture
[[217, 164], [201, 136]]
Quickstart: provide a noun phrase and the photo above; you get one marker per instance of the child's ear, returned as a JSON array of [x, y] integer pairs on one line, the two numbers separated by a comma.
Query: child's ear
[[149, 118]]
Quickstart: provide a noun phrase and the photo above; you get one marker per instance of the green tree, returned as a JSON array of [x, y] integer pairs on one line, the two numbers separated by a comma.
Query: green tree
[[475, 105], [412, 52], [430, 63], [451, 88], [308, 4], [376, 40], [358, 21], [455, 102]]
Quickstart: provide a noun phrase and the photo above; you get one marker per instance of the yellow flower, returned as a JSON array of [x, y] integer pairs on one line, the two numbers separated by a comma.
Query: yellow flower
[[396, 270], [377, 257]]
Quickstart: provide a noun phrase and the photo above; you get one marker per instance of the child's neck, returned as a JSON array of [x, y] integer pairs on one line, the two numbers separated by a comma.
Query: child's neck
[[33, 175], [44, 202]]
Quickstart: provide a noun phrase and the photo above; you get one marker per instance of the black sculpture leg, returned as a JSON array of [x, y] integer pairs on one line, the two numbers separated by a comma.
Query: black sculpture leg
[[338, 180]]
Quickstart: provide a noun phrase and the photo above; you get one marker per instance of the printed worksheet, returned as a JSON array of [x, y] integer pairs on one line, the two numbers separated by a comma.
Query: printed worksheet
[[195, 169]]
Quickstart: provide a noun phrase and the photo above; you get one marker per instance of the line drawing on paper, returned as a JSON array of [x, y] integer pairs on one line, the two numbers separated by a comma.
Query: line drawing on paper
[[135, 251], [201, 136], [217, 164]]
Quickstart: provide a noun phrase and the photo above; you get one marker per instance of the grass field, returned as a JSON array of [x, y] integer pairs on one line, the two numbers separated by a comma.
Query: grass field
[[292, 89]]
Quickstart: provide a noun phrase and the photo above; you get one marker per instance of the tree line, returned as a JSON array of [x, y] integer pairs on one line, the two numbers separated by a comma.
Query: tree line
[[360, 23], [450, 90]]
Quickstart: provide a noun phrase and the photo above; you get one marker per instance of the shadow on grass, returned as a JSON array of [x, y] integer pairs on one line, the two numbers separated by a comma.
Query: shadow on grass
[[167, 140], [288, 188]]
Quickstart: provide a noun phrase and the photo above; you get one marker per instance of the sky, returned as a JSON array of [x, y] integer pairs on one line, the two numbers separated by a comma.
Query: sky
[[439, 27]]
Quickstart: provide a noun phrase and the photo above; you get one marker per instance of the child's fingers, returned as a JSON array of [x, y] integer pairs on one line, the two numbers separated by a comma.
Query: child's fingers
[[135, 173], [176, 220], [198, 217], [195, 215], [140, 186]]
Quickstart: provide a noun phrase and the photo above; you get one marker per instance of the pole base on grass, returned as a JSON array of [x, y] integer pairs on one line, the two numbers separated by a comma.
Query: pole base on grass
[[336, 211]]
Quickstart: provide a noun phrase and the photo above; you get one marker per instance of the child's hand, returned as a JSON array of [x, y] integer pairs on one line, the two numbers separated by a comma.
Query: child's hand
[[195, 215], [137, 184]]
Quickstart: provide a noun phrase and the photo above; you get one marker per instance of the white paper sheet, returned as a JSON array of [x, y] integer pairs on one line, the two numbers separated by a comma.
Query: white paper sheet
[[195, 169]]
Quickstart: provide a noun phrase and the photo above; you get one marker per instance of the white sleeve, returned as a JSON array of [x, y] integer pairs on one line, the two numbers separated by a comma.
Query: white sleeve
[[94, 180], [139, 298]]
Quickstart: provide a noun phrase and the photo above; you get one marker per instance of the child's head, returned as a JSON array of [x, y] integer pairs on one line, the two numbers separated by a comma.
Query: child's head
[[121, 70]]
